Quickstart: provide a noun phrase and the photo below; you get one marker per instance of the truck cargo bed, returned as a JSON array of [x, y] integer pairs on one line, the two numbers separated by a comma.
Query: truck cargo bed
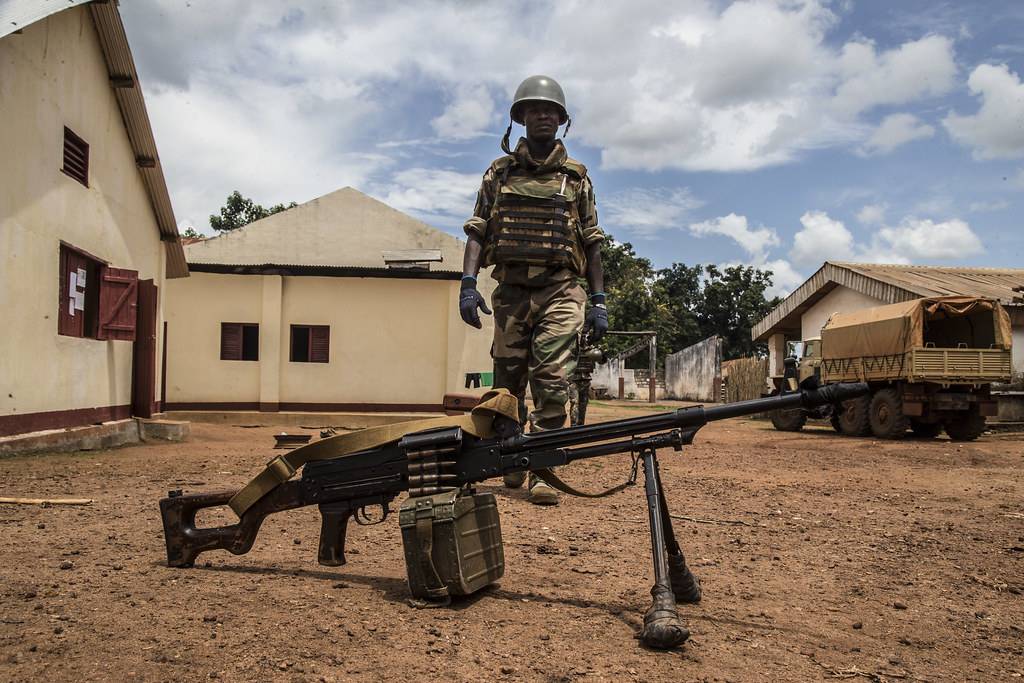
[[946, 366]]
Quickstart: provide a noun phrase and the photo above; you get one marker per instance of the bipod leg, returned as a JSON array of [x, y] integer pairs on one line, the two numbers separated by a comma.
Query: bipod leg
[[662, 627], [684, 584]]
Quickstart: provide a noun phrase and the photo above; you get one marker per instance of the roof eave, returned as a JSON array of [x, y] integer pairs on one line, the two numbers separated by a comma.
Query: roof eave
[[124, 80]]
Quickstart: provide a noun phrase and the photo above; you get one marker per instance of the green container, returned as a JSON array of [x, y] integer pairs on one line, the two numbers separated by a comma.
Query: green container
[[463, 551]]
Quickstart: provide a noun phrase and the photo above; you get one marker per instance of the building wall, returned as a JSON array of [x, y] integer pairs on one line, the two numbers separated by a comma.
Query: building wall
[[695, 373], [393, 342], [54, 75], [839, 300]]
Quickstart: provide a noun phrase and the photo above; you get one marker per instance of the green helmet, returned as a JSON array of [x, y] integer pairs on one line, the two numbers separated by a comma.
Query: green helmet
[[536, 88]]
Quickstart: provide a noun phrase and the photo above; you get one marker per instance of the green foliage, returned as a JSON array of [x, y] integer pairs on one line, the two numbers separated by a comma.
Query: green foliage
[[238, 211], [191, 232], [683, 304]]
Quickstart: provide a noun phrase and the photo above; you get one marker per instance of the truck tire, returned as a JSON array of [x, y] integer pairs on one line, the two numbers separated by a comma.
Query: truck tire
[[925, 430], [852, 416], [886, 415], [834, 420], [967, 426], [789, 420]]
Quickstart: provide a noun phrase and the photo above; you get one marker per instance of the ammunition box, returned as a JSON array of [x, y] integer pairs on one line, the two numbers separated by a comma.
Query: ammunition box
[[464, 543]]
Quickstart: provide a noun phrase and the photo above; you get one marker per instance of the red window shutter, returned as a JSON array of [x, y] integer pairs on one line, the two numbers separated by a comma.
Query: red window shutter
[[319, 344], [119, 290], [70, 321], [230, 341]]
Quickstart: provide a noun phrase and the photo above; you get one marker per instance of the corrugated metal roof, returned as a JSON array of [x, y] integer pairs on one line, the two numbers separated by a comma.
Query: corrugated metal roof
[[124, 80], [17, 14], [891, 284]]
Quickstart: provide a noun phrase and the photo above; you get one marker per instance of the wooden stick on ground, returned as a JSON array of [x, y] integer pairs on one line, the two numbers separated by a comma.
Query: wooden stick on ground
[[728, 522], [45, 501]]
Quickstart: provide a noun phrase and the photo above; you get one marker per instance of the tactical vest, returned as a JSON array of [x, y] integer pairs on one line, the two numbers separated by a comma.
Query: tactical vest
[[535, 221]]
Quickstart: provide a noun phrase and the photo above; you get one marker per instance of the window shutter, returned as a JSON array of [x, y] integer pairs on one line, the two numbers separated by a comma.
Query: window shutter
[[319, 344], [70, 320], [119, 290], [230, 341]]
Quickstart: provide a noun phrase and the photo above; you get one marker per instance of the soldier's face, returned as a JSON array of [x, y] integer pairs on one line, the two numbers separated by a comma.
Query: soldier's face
[[541, 120]]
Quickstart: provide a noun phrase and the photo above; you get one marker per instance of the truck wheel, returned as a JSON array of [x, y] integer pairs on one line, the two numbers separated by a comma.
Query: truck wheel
[[789, 420], [886, 415], [925, 430], [965, 427], [852, 416]]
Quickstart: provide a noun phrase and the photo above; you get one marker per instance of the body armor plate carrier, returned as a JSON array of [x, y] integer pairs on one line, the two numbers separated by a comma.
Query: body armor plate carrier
[[534, 230]]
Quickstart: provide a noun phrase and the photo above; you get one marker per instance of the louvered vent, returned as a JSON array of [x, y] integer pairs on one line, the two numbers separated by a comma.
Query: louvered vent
[[76, 157]]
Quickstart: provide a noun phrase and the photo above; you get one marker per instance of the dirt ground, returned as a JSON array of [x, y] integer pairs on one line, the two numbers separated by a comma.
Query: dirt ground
[[844, 558]]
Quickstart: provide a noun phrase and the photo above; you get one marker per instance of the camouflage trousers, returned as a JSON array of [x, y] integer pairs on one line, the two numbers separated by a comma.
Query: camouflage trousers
[[535, 332]]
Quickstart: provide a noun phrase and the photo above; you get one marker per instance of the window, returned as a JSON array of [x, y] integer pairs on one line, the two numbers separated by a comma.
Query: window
[[96, 301], [76, 157], [310, 344], [239, 341]]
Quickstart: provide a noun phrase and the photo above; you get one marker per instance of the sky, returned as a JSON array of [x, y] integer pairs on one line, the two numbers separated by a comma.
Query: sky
[[774, 133]]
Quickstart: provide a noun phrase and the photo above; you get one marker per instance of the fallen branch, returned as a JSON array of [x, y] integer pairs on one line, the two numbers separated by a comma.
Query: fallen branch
[[45, 501]]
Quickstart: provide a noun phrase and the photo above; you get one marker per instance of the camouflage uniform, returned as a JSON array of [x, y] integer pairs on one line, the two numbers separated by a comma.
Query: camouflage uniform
[[538, 308]]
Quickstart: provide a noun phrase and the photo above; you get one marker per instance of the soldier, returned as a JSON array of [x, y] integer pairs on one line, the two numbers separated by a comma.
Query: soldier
[[535, 221]]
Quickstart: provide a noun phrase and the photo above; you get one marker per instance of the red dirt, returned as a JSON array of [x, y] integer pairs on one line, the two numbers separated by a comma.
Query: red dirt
[[885, 561]]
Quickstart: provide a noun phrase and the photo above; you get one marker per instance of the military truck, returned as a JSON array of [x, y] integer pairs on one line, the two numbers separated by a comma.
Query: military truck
[[929, 362]]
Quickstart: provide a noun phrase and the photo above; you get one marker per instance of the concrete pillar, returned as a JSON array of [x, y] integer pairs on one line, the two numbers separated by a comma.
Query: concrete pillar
[[776, 353], [271, 339]]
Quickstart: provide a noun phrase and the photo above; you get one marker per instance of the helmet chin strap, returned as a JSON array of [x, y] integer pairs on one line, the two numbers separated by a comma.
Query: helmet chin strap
[[508, 134], [505, 139]]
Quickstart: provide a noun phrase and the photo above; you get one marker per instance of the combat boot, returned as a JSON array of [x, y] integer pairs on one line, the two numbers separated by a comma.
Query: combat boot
[[514, 480], [541, 493]]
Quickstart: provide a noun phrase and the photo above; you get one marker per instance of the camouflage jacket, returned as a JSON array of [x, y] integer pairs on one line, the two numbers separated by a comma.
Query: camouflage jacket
[[585, 212]]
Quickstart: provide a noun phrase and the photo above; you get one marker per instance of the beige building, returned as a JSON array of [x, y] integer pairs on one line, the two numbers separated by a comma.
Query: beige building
[[86, 228], [339, 304], [846, 287]]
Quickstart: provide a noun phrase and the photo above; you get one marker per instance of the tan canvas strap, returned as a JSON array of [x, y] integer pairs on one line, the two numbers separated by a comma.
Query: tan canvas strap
[[282, 468], [552, 480]]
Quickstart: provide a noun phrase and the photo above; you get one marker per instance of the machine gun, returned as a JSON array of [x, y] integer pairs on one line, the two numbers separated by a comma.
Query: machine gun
[[437, 466]]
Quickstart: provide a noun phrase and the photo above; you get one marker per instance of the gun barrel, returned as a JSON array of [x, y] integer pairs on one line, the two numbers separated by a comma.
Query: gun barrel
[[683, 418]]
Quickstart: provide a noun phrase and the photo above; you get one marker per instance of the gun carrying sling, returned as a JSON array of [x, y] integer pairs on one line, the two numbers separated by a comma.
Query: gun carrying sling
[[282, 468]]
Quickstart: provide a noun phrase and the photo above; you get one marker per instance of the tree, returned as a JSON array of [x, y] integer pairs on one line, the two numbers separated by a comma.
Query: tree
[[238, 211], [732, 301], [191, 232], [682, 304]]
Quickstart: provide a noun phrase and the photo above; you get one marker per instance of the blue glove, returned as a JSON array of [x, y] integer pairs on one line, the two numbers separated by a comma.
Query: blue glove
[[470, 300]]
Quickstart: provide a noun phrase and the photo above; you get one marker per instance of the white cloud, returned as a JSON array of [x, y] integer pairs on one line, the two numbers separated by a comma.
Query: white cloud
[[285, 102], [996, 131], [871, 214], [645, 212], [824, 238], [915, 70], [821, 239], [784, 277], [985, 206], [896, 130], [918, 238], [755, 242], [434, 195], [468, 115]]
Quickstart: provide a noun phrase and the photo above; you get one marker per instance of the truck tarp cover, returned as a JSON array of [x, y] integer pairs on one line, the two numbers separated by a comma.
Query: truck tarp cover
[[898, 328]]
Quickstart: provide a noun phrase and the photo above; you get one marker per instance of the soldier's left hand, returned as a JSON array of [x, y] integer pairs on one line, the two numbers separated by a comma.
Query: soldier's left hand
[[597, 322]]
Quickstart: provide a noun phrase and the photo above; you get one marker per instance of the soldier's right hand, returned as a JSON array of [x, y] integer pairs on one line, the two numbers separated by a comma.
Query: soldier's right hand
[[469, 301]]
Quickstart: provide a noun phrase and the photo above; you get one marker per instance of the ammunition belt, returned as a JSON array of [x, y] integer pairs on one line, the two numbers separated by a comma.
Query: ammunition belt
[[432, 470]]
